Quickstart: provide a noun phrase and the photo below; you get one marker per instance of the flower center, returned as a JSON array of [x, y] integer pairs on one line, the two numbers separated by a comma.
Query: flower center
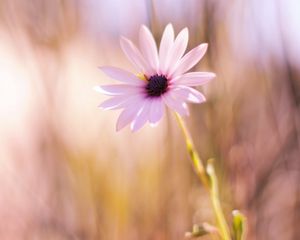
[[157, 85]]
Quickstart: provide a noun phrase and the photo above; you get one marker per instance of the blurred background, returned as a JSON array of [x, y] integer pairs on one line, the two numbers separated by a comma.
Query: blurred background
[[66, 174]]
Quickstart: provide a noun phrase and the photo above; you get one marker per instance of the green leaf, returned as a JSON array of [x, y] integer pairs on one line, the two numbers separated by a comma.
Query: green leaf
[[238, 225], [197, 231], [201, 230]]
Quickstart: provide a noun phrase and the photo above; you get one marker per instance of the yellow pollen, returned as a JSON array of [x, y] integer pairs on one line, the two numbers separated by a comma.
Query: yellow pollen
[[141, 76]]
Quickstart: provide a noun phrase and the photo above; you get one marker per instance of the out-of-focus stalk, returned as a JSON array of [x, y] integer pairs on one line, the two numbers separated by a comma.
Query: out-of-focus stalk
[[208, 178]]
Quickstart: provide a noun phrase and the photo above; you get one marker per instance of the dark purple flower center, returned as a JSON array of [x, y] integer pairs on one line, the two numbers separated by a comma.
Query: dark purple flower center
[[157, 85]]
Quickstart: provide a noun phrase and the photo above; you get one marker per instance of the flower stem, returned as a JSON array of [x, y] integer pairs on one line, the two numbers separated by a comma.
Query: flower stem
[[196, 160], [214, 195], [208, 179]]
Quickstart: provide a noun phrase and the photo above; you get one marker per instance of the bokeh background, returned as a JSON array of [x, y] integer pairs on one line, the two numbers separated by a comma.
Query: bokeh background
[[66, 174]]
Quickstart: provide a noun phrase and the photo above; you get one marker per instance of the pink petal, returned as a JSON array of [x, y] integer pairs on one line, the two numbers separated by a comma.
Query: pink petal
[[190, 59], [142, 117], [177, 105], [178, 49], [134, 55], [122, 75], [148, 47], [156, 110], [118, 89], [113, 103], [188, 94], [166, 44], [128, 115], [120, 102], [194, 78]]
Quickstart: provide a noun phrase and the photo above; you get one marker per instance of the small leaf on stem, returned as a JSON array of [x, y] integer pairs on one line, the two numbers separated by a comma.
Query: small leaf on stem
[[238, 225], [201, 230]]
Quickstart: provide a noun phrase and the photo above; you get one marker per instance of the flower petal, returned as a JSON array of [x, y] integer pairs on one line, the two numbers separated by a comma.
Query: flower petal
[[122, 101], [122, 75], [128, 115], [178, 49], [118, 89], [190, 59], [177, 105], [194, 78], [142, 117], [188, 94], [166, 44], [148, 47], [134, 55], [113, 103], [156, 111]]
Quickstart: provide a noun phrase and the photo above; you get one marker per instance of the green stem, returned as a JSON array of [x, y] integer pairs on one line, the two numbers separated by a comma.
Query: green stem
[[214, 196], [208, 179], [196, 160]]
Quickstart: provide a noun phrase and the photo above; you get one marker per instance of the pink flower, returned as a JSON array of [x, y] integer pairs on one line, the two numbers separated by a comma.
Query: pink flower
[[162, 79]]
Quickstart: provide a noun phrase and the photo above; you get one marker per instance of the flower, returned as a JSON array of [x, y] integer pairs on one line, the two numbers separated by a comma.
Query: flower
[[161, 80]]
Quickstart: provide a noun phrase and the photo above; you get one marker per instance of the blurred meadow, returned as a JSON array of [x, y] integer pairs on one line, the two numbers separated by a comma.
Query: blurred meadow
[[65, 173]]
